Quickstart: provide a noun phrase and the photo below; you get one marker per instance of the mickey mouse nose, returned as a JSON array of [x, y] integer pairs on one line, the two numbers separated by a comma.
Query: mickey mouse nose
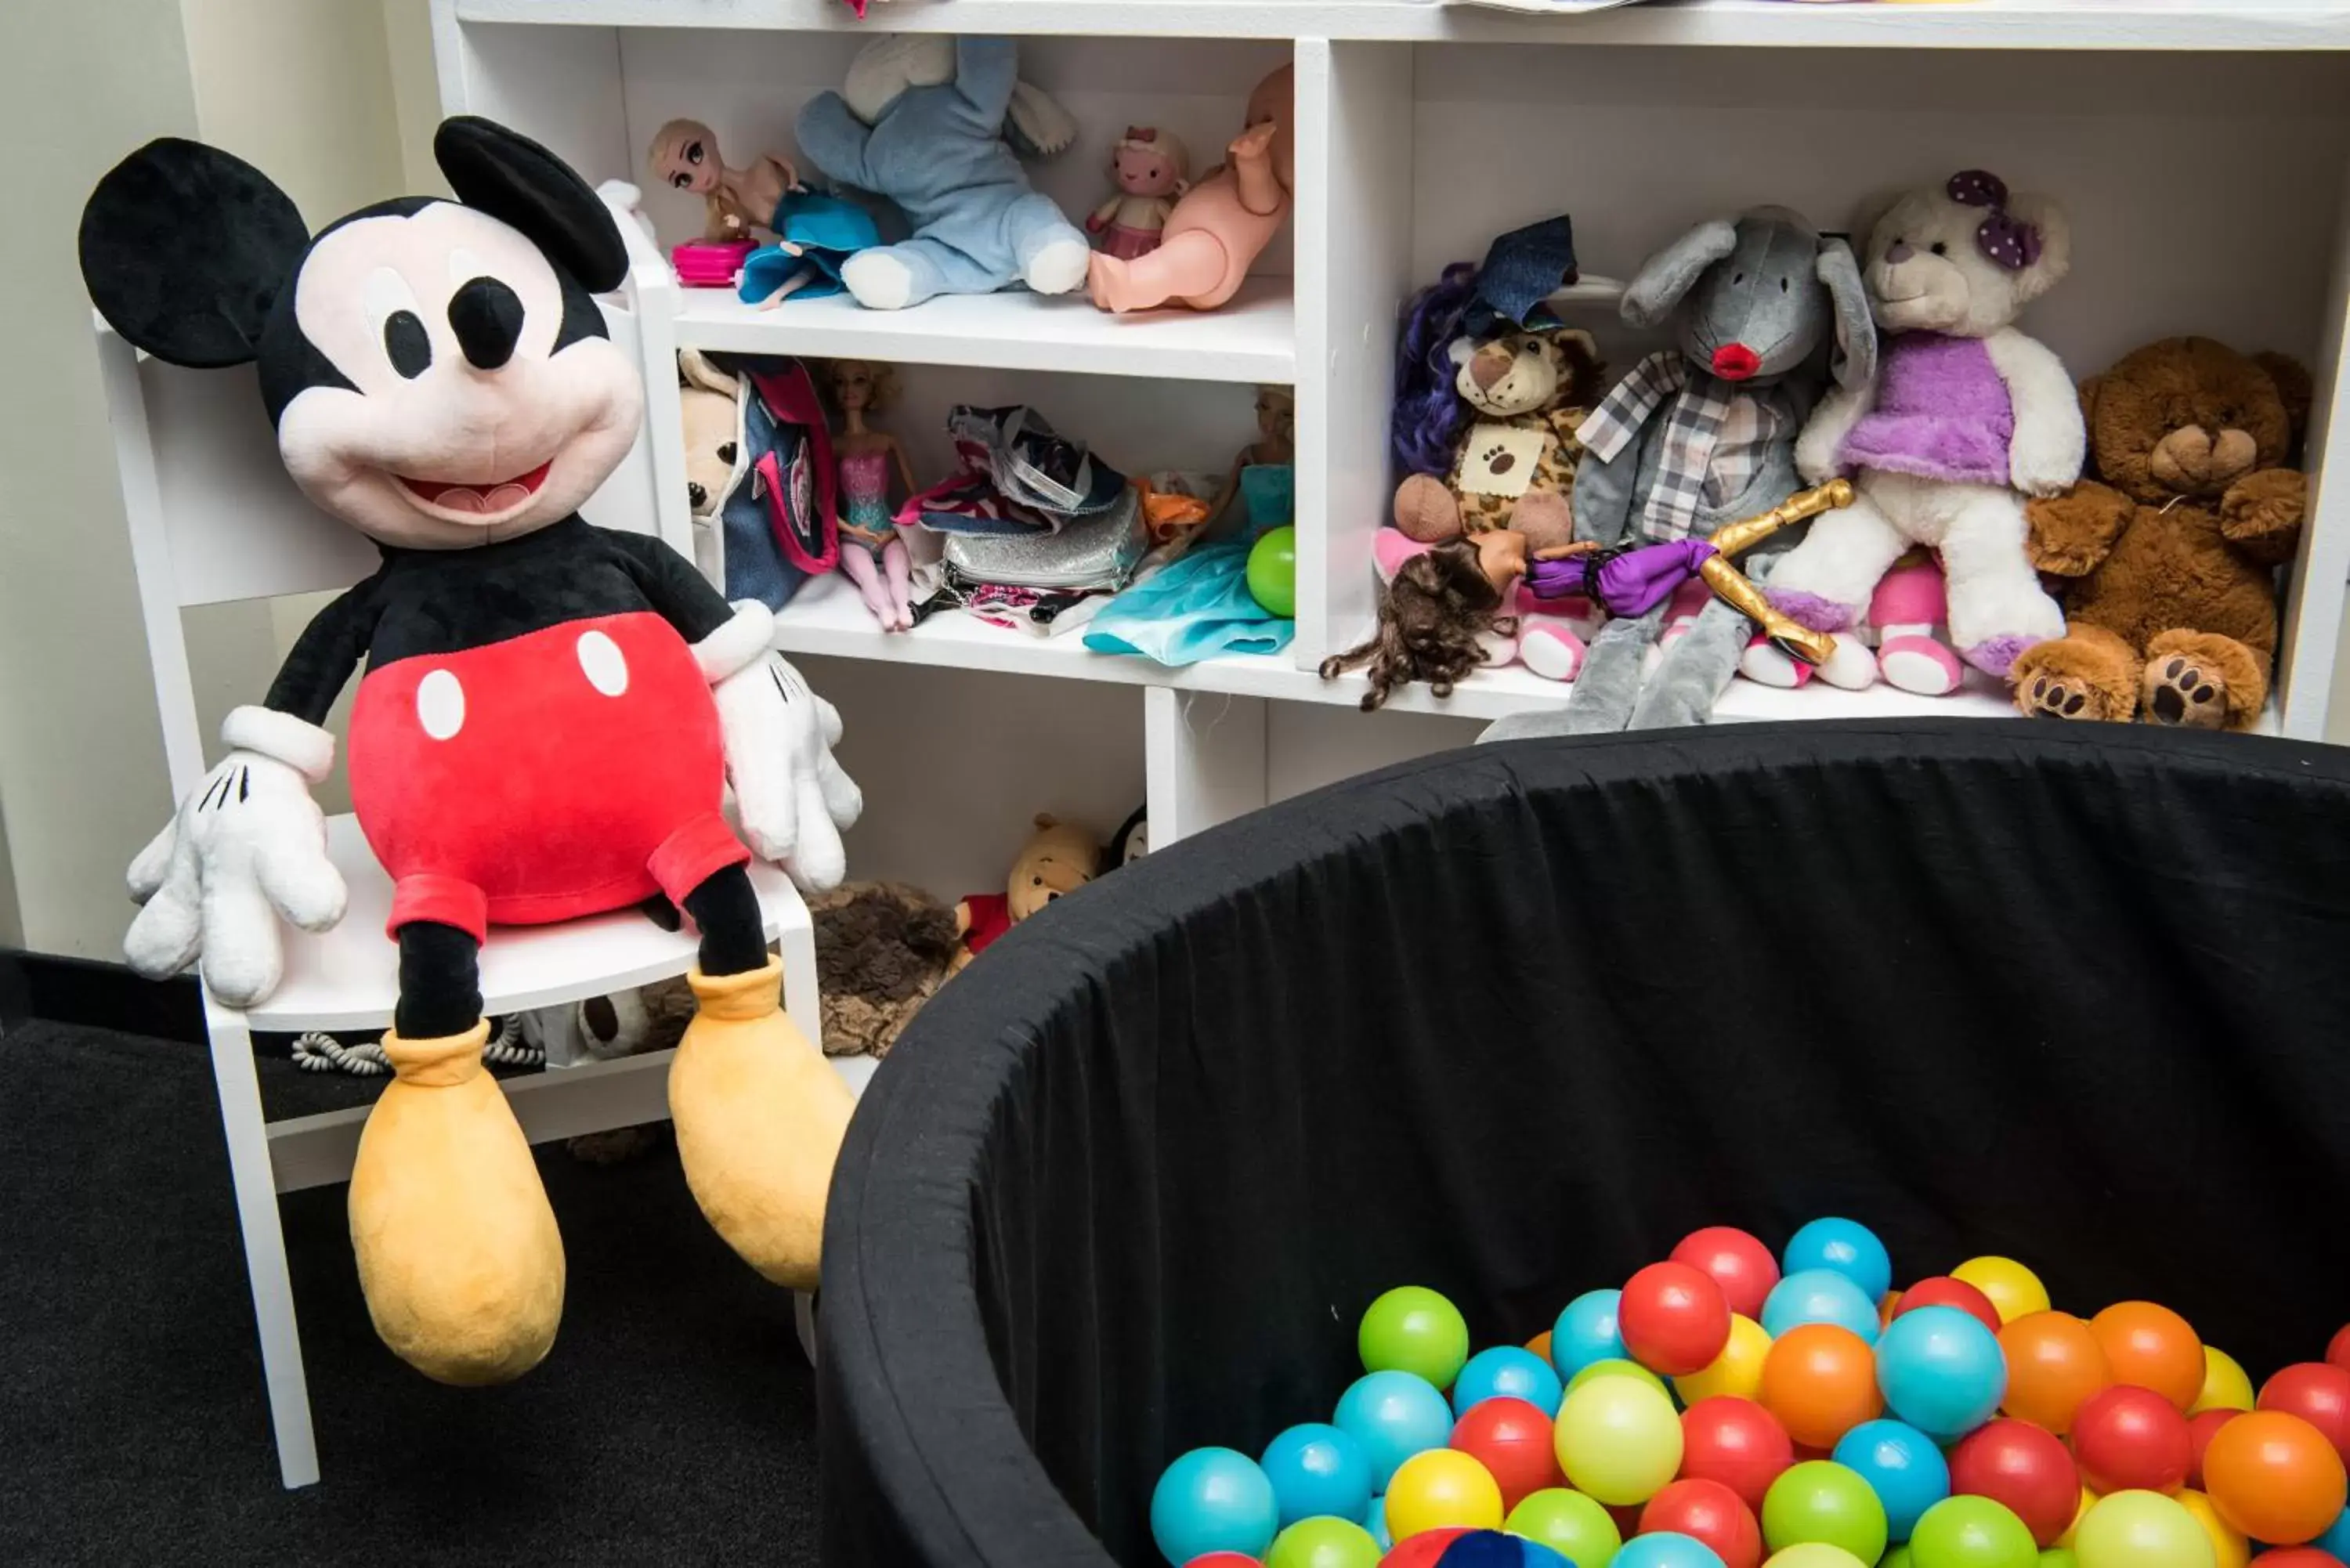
[[488, 318], [1735, 361]]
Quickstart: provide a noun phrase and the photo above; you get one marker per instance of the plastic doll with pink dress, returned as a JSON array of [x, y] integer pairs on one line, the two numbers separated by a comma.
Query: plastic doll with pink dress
[[1222, 224], [871, 553], [1151, 168]]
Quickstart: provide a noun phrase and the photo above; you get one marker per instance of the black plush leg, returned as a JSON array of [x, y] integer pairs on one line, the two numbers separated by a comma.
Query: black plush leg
[[440, 981], [733, 941]]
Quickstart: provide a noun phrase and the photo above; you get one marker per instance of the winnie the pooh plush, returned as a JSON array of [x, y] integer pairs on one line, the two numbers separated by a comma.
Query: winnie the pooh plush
[[1059, 858], [2169, 551]]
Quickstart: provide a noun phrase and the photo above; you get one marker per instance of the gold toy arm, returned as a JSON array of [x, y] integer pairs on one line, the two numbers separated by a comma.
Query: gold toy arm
[[1734, 589]]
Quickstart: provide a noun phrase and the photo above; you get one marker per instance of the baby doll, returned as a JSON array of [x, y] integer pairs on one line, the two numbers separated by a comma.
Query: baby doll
[[871, 553], [685, 156], [1151, 171], [1224, 222]]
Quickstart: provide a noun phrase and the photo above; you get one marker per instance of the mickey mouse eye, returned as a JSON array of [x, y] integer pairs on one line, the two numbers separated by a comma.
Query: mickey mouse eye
[[694, 152], [392, 313]]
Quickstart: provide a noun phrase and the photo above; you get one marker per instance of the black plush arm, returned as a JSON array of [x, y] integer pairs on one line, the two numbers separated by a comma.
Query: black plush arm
[[336, 640], [678, 594]]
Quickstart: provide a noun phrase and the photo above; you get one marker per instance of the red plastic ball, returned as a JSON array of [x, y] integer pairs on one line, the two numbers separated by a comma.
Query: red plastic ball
[[2198, 1437], [2296, 1557], [2024, 1469], [1944, 1290], [1514, 1441], [2129, 1438], [1736, 1442], [1225, 1559], [2337, 1354], [1709, 1511], [1674, 1319], [2319, 1393], [1742, 1265]]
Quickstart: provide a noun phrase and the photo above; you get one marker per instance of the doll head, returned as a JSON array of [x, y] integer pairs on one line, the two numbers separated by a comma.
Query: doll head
[[1149, 163], [1276, 417], [684, 156], [860, 386], [1432, 619]]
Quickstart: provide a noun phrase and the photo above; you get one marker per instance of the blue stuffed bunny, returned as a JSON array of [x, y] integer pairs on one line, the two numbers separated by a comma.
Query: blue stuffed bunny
[[927, 131]]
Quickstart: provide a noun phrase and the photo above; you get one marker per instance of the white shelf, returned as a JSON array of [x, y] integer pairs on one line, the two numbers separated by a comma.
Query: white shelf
[[1253, 338], [2214, 24]]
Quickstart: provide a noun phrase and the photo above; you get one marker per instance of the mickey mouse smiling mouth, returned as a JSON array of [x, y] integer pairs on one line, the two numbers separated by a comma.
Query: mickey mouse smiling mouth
[[482, 501]]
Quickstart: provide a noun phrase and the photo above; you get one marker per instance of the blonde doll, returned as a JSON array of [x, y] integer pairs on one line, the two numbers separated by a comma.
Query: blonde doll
[[871, 553]]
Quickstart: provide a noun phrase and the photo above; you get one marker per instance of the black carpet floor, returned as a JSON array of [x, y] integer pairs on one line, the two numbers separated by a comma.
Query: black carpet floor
[[673, 1422]]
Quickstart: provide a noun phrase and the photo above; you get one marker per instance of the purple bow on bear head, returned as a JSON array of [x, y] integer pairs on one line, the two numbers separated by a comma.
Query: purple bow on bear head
[[2009, 243]]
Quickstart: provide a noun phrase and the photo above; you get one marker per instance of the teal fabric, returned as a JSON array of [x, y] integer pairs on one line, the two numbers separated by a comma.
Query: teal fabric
[[1195, 609], [1269, 491], [827, 230]]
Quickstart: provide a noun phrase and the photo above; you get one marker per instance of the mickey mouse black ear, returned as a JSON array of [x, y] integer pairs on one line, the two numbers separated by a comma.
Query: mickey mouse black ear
[[185, 249], [515, 180]]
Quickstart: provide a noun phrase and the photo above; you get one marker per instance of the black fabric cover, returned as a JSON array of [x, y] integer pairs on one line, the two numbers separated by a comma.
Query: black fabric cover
[[1509, 1021]]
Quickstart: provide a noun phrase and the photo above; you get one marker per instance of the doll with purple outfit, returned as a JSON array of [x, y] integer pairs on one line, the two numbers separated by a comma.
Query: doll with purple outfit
[[872, 555]]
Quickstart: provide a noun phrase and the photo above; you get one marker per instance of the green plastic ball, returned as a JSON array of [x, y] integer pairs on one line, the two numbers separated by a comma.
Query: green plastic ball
[[1413, 1329], [1822, 1500], [1571, 1524], [1616, 1366], [2059, 1557], [1897, 1556], [1971, 1532], [1323, 1542], [1273, 571]]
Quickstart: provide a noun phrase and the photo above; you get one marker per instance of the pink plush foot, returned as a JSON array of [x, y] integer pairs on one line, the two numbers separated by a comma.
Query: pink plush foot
[[1766, 664], [1390, 548], [1914, 662], [1550, 650]]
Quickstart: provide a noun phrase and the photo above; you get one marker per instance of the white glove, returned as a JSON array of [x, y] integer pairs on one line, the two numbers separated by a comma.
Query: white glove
[[249, 841], [794, 800]]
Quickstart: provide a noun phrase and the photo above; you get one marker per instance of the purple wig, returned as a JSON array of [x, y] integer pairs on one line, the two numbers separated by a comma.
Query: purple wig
[[1428, 413]]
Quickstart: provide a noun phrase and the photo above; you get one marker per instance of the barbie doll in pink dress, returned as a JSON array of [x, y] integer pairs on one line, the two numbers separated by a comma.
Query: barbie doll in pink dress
[[871, 553], [1222, 224]]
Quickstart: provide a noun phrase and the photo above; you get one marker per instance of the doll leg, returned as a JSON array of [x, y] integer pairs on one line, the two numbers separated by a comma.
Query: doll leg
[[1997, 607], [1192, 262], [759, 1114], [1907, 607], [2202, 681], [1688, 601], [1695, 670], [1603, 691], [898, 566], [1051, 252], [859, 563], [1825, 582]]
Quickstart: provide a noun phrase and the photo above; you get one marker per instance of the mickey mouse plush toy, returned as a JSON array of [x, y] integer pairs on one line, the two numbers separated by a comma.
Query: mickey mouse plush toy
[[549, 716]]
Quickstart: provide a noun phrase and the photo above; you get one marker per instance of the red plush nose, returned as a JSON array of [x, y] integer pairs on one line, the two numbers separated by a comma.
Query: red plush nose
[[1735, 361]]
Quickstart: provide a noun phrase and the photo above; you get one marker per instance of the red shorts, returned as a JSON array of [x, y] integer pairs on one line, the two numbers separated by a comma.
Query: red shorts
[[559, 774]]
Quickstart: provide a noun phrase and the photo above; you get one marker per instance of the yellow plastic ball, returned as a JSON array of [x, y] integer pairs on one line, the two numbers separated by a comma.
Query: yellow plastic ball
[[2228, 1543], [1737, 1371], [1813, 1554], [2088, 1502], [1439, 1487], [2226, 1386], [2013, 1289], [2142, 1530], [1618, 1440], [1616, 1366]]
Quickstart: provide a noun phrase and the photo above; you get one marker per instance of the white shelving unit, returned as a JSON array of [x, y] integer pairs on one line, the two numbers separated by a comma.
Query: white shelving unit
[[2202, 146]]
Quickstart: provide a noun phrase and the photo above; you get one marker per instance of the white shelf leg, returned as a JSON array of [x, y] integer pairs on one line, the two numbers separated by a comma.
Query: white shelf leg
[[2312, 609], [1204, 756]]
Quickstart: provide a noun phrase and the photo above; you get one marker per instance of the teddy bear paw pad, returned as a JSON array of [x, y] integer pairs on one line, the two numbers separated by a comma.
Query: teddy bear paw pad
[[2182, 693], [2054, 697]]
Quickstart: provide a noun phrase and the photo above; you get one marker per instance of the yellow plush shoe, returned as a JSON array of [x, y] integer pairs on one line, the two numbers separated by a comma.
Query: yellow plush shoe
[[457, 1248], [760, 1115]]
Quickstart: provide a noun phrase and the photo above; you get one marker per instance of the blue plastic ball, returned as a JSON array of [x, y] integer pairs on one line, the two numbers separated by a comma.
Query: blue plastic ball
[[1940, 1370], [1498, 1549], [1667, 1548], [2337, 1538], [1902, 1467], [1585, 1332], [1819, 1295], [1315, 1470], [1393, 1415], [1505, 1372], [1375, 1520], [1848, 1247], [1212, 1500]]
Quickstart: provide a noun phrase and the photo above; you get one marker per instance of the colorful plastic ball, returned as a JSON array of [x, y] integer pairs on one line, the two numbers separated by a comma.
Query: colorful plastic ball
[[1674, 1318], [2296, 1557], [1513, 1440], [1736, 1372], [1944, 1290], [2337, 1538], [2198, 1437], [1213, 1500], [1738, 1443], [1506, 1372], [1316, 1469], [1413, 1329], [2338, 1349], [2141, 1530], [1225, 1559], [1616, 1366], [1904, 1468], [1393, 1415], [2226, 1385], [2025, 1469], [2152, 1347], [1971, 1532], [1740, 1263], [1940, 1371], [1813, 1554], [2274, 1476], [1585, 1332], [2319, 1393], [2228, 1547], [1820, 1499], [1709, 1512], [1452, 1548], [1439, 1488], [2059, 1557], [2089, 1499], [1273, 571], [1575, 1526], [1668, 1549], [2013, 1289], [1819, 1380], [1618, 1440], [2053, 1364], [2128, 1439], [1324, 1542], [1848, 1247], [1375, 1523], [1539, 1345], [1820, 1296], [1896, 1555]]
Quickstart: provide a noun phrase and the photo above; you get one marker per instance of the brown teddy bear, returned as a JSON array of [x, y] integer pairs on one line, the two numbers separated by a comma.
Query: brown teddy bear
[[1059, 858], [1522, 394], [2169, 551]]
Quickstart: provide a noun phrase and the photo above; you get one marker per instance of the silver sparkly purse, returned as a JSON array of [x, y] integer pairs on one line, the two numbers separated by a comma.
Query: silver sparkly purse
[[1096, 553]]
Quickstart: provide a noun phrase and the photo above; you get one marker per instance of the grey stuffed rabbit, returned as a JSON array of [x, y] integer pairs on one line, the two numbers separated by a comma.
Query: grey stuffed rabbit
[[1703, 434]]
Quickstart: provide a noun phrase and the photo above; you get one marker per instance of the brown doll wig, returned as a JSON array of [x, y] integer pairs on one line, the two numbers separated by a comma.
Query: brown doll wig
[[1430, 620]]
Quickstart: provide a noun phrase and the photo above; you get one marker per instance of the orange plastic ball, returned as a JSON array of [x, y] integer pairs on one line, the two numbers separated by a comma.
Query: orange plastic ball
[[1819, 1380], [1540, 1345], [2152, 1347], [2274, 1476], [2054, 1363]]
